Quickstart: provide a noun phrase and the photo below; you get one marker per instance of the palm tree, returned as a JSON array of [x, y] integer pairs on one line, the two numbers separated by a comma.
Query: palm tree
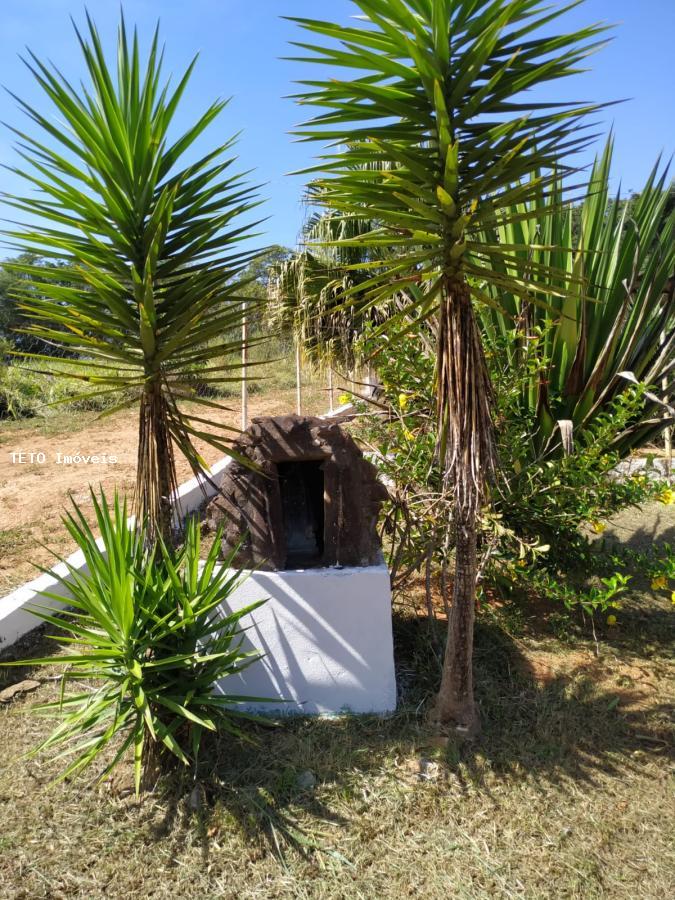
[[434, 130], [150, 250], [306, 290]]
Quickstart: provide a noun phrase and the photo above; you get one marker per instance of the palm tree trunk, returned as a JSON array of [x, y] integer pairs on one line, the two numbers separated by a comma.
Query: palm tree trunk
[[156, 480], [468, 453], [455, 704]]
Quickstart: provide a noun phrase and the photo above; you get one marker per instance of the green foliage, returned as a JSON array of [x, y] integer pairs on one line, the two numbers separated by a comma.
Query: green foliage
[[151, 250], [432, 133], [405, 441], [15, 283], [30, 390], [533, 540], [610, 311], [548, 498], [308, 289], [148, 639]]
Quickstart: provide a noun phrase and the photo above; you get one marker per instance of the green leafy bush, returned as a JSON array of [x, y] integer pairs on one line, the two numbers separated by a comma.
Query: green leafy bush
[[149, 641], [610, 310], [533, 538]]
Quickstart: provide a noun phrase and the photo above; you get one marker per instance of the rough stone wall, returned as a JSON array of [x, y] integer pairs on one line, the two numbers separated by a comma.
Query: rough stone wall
[[249, 503]]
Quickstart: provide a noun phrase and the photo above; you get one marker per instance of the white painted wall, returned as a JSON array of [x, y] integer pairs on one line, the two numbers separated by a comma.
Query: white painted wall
[[327, 639]]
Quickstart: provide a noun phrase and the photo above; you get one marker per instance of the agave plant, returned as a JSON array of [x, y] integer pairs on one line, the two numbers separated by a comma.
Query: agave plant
[[431, 134], [149, 643], [613, 322], [140, 252]]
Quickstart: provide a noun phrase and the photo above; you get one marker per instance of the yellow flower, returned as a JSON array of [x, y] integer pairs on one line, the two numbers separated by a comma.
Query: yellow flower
[[667, 496], [611, 620], [409, 436], [598, 527], [658, 584], [403, 400], [344, 399], [672, 597]]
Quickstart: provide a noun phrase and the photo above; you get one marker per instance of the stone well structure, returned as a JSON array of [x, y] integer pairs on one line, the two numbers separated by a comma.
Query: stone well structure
[[302, 495]]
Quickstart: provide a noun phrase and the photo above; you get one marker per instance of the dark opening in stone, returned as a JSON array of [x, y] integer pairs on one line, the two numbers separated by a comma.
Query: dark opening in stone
[[302, 510]]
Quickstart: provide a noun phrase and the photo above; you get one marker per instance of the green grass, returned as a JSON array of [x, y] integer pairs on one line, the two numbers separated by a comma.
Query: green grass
[[29, 390], [10, 537]]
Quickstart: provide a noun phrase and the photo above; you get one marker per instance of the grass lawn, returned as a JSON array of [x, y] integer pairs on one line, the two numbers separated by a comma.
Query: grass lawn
[[568, 792]]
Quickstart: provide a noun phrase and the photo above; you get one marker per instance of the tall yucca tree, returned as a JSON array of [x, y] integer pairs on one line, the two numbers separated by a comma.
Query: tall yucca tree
[[430, 130], [141, 248], [617, 320]]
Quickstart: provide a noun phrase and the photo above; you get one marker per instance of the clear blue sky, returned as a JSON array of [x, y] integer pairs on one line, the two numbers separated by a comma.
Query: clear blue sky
[[240, 44]]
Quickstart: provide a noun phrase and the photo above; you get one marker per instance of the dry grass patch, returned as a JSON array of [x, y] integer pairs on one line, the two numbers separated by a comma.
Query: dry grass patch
[[566, 794]]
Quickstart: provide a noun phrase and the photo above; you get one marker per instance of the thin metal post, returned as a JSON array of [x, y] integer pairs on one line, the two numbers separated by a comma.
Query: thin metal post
[[668, 433], [244, 369], [370, 381]]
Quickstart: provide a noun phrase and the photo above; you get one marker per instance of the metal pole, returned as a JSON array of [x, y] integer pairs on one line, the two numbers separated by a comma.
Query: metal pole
[[370, 381], [244, 369], [298, 377]]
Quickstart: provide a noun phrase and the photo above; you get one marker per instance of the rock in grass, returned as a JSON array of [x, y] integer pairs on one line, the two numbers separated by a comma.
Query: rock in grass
[[306, 781], [15, 690]]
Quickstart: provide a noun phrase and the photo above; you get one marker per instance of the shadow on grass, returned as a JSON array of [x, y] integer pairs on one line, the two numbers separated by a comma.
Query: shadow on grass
[[567, 730]]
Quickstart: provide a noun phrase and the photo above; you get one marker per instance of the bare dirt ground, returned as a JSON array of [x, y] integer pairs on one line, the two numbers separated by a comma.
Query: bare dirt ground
[[33, 496]]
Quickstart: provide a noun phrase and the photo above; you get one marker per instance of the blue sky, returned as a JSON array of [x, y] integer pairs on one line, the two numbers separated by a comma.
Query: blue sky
[[240, 44]]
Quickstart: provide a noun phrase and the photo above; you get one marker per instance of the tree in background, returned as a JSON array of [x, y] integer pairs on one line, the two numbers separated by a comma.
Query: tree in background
[[306, 290], [152, 250], [431, 133]]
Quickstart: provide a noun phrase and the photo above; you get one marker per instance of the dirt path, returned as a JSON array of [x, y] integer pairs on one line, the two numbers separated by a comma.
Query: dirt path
[[33, 494]]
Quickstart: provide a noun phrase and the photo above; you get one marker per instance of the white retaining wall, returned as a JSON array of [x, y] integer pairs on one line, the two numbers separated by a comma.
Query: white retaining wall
[[326, 636]]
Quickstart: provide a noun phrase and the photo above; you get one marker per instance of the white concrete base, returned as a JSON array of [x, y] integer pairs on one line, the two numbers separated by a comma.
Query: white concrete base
[[327, 639]]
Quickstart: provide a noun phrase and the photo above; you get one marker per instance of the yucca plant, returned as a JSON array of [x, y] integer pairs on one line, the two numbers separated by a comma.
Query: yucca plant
[[612, 323], [431, 134], [148, 247], [149, 640]]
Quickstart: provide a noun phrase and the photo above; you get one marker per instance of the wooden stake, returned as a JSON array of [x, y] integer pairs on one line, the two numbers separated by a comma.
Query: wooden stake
[[298, 377], [244, 370]]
